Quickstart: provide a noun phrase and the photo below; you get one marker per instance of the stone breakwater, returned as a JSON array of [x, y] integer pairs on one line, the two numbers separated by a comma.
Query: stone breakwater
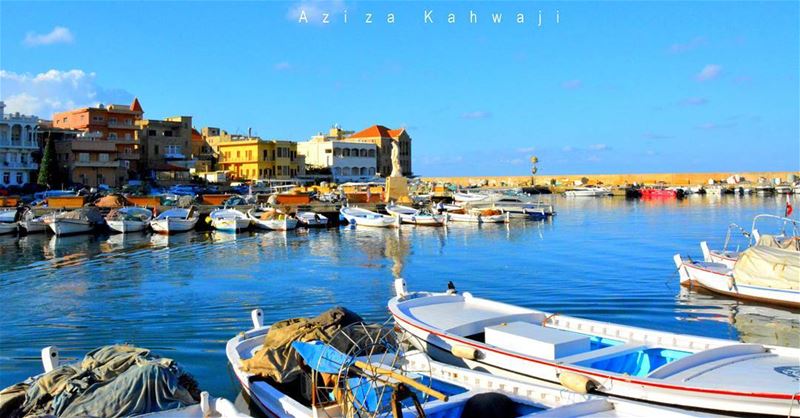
[[670, 179]]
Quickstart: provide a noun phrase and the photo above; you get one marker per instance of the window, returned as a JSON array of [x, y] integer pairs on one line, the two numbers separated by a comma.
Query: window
[[371, 153], [127, 135], [155, 149], [337, 171], [238, 154], [363, 152], [363, 171], [167, 133], [112, 136], [346, 170], [19, 178], [372, 171], [346, 152], [6, 178], [83, 157], [265, 155], [112, 120], [103, 157], [151, 132]]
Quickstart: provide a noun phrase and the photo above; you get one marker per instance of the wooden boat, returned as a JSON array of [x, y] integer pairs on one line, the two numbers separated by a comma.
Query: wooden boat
[[587, 192], [207, 407], [362, 217], [457, 384], [78, 221], [272, 219], [8, 228], [581, 354], [760, 273], [312, 219], [30, 223], [229, 220], [129, 219], [175, 220], [414, 216], [479, 216]]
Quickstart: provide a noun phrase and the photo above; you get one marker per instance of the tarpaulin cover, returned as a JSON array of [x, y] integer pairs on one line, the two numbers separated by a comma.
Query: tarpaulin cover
[[111, 381], [86, 213], [788, 243], [768, 267], [111, 201], [276, 359]]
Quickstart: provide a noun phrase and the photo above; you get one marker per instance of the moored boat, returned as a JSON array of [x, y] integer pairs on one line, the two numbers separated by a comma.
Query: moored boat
[[589, 191], [272, 219], [658, 193], [415, 216], [655, 366], [129, 219], [175, 220], [9, 215], [30, 223], [78, 221], [229, 220], [8, 227], [362, 217], [311, 219], [788, 237], [478, 216], [375, 369], [469, 197], [761, 273]]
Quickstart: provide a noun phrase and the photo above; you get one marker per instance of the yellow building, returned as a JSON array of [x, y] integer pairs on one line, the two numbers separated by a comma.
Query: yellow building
[[252, 158]]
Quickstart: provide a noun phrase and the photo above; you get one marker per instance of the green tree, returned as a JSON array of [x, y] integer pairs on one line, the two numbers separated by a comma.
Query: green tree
[[49, 173]]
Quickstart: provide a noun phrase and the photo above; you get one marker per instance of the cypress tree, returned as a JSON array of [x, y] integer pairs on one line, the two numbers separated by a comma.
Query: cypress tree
[[48, 168]]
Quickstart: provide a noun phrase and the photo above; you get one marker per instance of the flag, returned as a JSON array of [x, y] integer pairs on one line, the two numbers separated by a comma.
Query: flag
[[789, 209]]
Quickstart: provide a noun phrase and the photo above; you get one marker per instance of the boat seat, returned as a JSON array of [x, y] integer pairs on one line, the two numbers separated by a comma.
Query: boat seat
[[705, 358], [603, 353]]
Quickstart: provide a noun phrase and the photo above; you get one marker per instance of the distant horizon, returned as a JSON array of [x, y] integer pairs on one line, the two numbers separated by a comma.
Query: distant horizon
[[621, 87]]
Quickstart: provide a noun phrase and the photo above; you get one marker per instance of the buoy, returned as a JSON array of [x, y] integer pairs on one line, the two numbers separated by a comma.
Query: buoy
[[465, 352], [577, 382]]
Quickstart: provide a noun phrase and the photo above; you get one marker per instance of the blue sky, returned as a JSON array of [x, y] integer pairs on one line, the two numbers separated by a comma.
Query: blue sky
[[612, 87]]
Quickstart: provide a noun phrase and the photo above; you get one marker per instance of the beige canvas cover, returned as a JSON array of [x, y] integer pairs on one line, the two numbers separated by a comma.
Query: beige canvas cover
[[786, 243], [111, 201], [768, 267]]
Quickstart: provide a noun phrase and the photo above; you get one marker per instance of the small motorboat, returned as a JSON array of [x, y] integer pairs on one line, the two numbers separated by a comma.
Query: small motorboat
[[272, 219], [175, 220], [31, 224], [376, 374], [148, 399], [479, 216], [362, 217], [78, 221], [9, 215], [129, 219], [659, 193], [415, 216], [589, 191], [312, 219], [229, 220], [764, 189], [761, 273], [9, 227], [580, 354], [788, 237], [469, 197], [783, 188]]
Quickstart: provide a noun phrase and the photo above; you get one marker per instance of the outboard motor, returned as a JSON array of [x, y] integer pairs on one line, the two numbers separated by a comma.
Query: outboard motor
[[451, 288]]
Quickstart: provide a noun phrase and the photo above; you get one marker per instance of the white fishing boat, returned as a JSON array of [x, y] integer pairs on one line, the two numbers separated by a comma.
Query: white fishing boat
[[764, 189], [129, 219], [362, 217], [31, 224], [787, 237], [175, 220], [441, 390], [207, 407], [312, 219], [581, 354], [229, 220], [8, 215], [413, 216], [589, 191], [8, 227], [783, 188], [78, 221], [272, 219], [761, 273], [479, 216], [469, 197]]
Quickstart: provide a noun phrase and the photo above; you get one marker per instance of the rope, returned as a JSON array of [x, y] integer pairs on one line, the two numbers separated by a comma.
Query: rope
[[791, 405], [548, 318]]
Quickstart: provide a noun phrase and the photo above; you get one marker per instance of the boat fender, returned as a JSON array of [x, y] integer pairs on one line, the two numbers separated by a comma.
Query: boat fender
[[462, 351], [208, 219], [577, 382]]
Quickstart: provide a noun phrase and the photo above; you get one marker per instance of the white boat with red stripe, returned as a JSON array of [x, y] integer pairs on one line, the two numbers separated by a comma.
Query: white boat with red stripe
[[655, 366]]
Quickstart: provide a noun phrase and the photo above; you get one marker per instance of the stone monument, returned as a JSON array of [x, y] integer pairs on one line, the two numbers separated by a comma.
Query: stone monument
[[396, 184]]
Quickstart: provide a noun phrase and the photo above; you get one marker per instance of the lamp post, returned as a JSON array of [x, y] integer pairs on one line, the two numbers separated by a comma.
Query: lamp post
[[534, 169]]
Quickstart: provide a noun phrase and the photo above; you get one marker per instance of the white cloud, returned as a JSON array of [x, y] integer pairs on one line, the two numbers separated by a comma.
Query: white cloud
[[572, 84], [709, 72], [653, 135], [478, 114], [54, 91], [526, 150], [599, 147], [283, 66], [688, 46], [59, 35]]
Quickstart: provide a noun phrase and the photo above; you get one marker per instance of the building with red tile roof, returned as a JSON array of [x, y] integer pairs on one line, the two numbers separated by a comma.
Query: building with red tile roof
[[382, 137]]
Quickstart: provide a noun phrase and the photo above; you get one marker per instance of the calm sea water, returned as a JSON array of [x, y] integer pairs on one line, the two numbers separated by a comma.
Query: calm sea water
[[184, 296]]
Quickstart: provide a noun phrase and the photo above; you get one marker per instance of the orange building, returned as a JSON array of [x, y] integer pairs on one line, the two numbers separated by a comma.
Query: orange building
[[382, 137], [116, 123]]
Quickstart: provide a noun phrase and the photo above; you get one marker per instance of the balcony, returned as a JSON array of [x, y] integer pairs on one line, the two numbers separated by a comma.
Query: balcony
[[129, 156], [19, 144], [118, 125], [97, 164], [21, 166]]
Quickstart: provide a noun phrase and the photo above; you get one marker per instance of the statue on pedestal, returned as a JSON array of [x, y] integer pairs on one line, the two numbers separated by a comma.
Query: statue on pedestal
[[397, 170]]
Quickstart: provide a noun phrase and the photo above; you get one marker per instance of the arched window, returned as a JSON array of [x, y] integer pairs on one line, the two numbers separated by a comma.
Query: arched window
[[337, 152], [371, 153], [337, 171], [16, 132], [355, 171], [346, 152], [372, 171], [363, 171], [354, 152]]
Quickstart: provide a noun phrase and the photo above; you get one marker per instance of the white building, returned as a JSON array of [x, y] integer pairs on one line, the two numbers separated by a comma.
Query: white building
[[347, 161], [17, 144]]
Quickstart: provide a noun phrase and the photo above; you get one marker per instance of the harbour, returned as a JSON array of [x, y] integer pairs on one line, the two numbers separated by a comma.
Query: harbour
[[184, 295]]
